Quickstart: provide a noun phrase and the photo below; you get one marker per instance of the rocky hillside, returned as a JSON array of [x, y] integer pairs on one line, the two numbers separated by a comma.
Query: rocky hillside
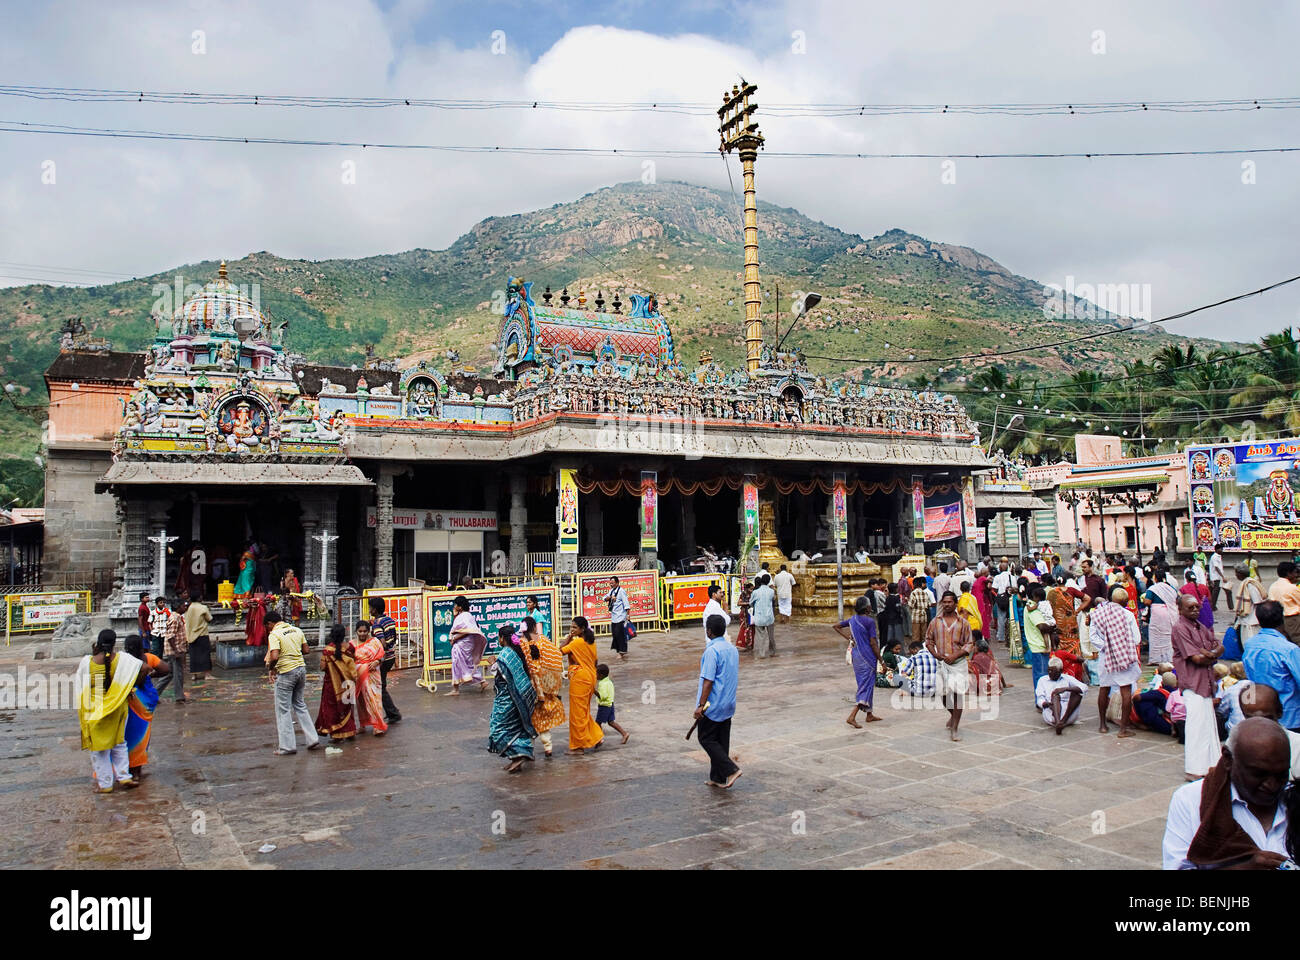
[[681, 241]]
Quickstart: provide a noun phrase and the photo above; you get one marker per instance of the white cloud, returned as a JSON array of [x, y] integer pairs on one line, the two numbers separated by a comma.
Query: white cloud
[[1189, 227]]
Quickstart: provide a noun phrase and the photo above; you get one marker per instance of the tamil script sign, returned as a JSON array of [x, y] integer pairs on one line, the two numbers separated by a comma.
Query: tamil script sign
[[405, 518], [1243, 495], [30, 612], [642, 587], [492, 609]]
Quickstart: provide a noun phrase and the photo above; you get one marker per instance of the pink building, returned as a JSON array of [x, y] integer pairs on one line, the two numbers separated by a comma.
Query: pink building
[[1112, 502]]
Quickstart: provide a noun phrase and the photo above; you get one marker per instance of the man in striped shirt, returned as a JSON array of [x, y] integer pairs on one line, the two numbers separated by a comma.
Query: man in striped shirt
[[948, 638]]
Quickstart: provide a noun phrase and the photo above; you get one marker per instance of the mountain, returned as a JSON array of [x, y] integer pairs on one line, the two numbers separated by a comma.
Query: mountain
[[681, 241]]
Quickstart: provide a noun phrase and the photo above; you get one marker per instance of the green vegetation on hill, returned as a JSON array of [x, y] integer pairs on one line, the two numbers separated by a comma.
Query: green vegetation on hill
[[682, 242]]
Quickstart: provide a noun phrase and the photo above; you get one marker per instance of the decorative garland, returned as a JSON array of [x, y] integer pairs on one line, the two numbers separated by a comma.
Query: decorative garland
[[632, 487]]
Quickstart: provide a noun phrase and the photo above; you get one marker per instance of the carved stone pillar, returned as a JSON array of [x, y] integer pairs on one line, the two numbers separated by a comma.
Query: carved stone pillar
[[518, 523], [384, 527], [139, 556]]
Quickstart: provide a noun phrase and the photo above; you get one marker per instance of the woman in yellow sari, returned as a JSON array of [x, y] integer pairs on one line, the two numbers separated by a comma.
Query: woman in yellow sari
[[584, 732], [104, 684], [546, 669]]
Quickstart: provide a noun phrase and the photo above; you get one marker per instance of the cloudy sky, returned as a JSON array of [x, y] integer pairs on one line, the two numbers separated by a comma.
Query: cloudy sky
[[1189, 226]]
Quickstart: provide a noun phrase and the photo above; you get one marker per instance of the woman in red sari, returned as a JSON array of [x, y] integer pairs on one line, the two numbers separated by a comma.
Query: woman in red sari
[[254, 621], [745, 637], [335, 718], [981, 591]]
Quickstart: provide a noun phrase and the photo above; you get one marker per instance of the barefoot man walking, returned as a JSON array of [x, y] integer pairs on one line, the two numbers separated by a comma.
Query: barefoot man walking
[[948, 639], [1115, 636]]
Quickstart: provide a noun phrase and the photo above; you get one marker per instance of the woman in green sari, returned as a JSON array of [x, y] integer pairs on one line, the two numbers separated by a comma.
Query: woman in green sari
[[510, 727]]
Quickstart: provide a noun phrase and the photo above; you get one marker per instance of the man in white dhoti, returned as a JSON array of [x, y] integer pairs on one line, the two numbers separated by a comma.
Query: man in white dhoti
[[1195, 652], [1116, 638], [784, 584]]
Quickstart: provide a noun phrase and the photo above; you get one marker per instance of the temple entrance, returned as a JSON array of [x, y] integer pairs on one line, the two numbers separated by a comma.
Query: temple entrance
[[717, 522], [621, 521], [213, 533], [879, 512]]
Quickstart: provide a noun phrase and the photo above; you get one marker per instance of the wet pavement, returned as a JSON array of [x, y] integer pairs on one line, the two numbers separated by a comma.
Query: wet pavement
[[815, 792]]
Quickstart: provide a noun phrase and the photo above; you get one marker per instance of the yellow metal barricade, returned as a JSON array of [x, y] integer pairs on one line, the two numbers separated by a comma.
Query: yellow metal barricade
[[41, 611]]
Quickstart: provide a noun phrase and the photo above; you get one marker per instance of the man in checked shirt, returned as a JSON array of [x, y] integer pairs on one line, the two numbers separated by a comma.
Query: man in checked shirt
[[1115, 637]]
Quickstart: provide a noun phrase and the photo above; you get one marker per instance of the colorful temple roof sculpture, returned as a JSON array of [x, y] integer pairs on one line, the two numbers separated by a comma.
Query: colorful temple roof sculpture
[[217, 383]]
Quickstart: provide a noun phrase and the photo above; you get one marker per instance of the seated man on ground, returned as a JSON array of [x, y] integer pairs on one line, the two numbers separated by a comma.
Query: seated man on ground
[[1059, 696], [922, 671], [1151, 707]]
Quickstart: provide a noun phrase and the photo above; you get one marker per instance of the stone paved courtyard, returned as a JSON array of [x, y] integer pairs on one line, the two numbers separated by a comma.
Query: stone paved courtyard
[[815, 792]]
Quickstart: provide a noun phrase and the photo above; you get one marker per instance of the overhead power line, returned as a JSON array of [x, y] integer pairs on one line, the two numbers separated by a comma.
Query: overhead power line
[[48, 129], [695, 108], [1058, 343]]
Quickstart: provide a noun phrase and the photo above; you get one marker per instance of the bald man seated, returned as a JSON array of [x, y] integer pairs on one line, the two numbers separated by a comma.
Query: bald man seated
[[1261, 700], [1243, 825]]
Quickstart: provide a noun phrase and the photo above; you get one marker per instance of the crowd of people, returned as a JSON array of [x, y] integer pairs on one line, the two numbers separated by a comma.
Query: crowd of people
[[1077, 624]]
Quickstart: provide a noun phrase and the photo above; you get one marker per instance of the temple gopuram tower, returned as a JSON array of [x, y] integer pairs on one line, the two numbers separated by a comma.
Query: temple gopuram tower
[[739, 131]]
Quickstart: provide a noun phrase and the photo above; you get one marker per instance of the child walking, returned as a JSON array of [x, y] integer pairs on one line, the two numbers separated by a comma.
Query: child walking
[[605, 699]]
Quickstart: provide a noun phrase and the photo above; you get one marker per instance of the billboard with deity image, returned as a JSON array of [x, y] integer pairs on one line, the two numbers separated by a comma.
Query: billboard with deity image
[[1244, 495]]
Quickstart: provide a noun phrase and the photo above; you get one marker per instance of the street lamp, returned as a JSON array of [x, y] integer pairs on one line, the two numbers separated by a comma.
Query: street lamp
[[804, 304], [1018, 418]]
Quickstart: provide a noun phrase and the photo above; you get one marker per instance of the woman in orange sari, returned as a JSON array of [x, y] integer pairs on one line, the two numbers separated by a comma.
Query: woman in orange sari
[[584, 732], [1067, 624], [368, 652], [546, 669]]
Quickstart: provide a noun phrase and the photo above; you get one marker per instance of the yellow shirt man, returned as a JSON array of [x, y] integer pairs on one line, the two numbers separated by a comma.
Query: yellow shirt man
[[289, 640]]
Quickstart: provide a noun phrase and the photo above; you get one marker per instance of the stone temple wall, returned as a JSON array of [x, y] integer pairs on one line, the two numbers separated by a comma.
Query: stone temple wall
[[81, 534]]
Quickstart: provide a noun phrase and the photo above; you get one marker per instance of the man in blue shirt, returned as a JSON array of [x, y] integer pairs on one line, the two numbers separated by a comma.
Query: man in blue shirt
[[716, 702], [763, 617], [1273, 660], [619, 606]]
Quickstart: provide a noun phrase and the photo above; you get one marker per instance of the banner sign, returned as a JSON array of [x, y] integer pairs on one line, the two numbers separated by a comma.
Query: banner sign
[[568, 542], [1243, 496], [943, 523], [841, 509], [649, 510], [687, 596], [47, 615], [968, 507], [981, 535], [403, 605], [492, 609], [641, 586], [406, 518], [918, 508], [751, 509], [42, 611]]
